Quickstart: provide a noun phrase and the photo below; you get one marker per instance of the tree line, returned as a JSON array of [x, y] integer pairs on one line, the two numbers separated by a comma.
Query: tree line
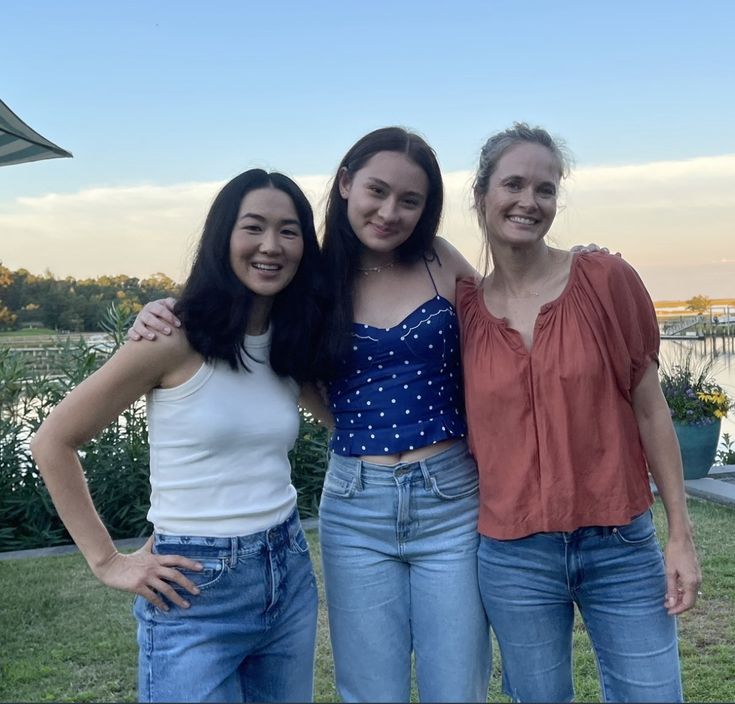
[[29, 300]]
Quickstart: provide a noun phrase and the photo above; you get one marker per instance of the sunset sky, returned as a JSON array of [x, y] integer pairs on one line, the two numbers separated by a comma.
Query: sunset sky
[[162, 102]]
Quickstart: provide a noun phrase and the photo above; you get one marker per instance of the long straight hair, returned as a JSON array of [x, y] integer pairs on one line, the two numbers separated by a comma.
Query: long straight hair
[[215, 305], [341, 248]]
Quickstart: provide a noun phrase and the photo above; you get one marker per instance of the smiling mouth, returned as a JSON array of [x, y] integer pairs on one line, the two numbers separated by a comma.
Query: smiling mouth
[[520, 220], [385, 231], [267, 267]]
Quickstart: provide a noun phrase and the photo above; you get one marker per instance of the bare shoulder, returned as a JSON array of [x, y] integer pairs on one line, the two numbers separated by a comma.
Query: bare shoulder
[[451, 258], [131, 372], [157, 361]]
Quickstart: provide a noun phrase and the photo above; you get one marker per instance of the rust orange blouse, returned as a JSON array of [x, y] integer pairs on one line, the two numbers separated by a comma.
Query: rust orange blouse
[[553, 431]]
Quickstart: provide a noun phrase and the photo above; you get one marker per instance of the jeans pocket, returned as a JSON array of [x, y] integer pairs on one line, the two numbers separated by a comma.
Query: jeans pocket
[[638, 532], [213, 568], [338, 487], [297, 544], [450, 486]]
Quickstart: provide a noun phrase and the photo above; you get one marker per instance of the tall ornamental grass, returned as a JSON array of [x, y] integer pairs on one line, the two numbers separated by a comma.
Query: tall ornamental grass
[[115, 463]]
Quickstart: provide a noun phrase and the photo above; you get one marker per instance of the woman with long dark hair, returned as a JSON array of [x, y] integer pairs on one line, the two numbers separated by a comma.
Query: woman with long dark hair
[[226, 599], [398, 515]]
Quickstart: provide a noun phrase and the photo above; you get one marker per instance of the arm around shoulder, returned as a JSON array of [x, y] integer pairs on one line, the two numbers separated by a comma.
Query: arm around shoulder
[[450, 256]]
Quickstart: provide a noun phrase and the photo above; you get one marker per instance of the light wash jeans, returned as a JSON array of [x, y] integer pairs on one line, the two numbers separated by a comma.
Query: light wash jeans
[[399, 549], [616, 577], [249, 635]]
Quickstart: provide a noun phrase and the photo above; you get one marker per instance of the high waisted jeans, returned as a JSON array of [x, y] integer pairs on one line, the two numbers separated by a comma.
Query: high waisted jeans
[[248, 636], [399, 548], [616, 577]]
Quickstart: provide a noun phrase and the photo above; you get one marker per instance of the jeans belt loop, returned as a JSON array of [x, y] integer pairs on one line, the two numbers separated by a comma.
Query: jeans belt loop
[[358, 475], [423, 465], [234, 542]]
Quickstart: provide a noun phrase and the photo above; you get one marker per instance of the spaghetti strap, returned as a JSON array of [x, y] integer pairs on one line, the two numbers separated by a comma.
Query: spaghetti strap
[[428, 271]]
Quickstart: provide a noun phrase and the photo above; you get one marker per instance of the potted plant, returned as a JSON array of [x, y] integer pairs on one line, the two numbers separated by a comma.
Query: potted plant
[[697, 404]]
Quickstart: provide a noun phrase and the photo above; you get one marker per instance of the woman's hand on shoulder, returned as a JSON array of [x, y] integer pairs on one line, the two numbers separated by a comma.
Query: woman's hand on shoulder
[[156, 316], [151, 576], [591, 248], [167, 361], [129, 374]]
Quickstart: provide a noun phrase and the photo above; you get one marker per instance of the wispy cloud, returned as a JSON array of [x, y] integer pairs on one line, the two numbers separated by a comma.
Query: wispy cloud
[[135, 230], [674, 220], [665, 217]]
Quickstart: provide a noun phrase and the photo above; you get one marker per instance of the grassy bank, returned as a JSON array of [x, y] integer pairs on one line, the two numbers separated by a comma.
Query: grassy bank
[[65, 637]]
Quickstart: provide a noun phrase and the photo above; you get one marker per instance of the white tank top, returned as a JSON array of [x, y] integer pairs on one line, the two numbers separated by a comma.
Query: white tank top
[[219, 447]]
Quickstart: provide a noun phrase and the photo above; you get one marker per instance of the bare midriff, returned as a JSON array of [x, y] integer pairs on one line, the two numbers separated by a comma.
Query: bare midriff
[[420, 453]]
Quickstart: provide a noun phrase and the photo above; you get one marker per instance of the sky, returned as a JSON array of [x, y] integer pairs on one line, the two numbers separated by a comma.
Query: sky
[[162, 102]]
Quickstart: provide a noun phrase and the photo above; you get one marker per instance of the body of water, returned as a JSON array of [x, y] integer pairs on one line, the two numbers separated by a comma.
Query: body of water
[[721, 350]]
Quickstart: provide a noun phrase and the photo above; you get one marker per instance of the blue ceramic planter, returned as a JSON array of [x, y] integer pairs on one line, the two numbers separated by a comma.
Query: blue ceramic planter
[[698, 445]]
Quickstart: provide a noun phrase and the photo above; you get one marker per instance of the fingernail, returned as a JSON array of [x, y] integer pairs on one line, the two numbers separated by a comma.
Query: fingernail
[[186, 604], [196, 590], [178, 323], [167, 330], [150, 335], [199, 566]]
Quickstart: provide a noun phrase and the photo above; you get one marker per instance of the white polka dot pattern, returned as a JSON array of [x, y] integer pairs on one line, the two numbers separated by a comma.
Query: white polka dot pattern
[[387, 401]]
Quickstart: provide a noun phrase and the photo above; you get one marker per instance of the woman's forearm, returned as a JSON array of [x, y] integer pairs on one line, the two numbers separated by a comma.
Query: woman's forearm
[[62, 472], [664, 462]]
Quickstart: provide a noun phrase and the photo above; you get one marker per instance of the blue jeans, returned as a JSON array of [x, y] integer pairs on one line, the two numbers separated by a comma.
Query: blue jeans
[[248, 636], [399, 549], [616, 577]]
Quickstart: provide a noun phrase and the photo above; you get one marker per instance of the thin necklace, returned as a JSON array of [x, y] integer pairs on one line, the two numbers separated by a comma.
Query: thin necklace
[[532, 294], [365, 270]]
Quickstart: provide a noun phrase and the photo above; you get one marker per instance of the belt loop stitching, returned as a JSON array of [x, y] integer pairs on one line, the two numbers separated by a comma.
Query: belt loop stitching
[[233, 551], [424, 467], [358, 475]]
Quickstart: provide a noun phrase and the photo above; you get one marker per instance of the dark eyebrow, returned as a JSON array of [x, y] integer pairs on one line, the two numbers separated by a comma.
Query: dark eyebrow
[[382, 183], [516, 177], [255, 216], [260, 218]]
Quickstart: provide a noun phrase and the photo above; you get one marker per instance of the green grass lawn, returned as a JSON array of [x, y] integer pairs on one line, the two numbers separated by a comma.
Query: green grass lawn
[[28, 332], [65, 637]]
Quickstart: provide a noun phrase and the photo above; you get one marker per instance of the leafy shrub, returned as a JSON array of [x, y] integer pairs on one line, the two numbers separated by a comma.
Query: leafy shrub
[[115, 463], [693, 396], [726, 454], [309, 463]]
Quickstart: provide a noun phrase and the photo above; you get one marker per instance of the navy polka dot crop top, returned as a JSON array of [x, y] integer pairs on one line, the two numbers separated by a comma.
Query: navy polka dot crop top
[[400, 388]]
